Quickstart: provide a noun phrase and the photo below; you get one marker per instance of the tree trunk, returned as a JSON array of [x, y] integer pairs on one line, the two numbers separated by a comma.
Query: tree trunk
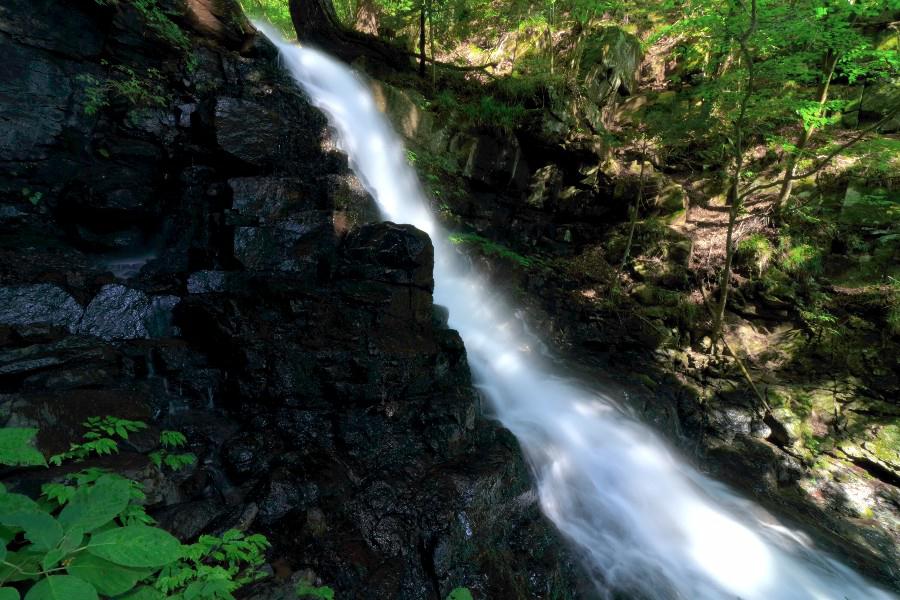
[[422, 40], [314, 19], [734, 194], [785, 193], [366, 18], [316, 23], [431, 39], [725, 283], [634, 213]]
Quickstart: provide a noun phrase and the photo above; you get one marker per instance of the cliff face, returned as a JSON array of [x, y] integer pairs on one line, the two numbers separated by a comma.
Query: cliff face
[[181, 243]]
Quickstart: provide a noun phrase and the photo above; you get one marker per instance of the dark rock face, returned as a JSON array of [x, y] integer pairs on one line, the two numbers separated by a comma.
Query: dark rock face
[[201, 258]]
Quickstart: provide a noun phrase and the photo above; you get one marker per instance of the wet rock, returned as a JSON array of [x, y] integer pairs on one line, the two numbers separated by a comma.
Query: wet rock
[[399, 254], [282, 496], [493, 159], [40, 303], [244, 456], [206, 282], [118, 312], [289, 246], [187, 521], [246, 130], [610, 62], [273, 199], [546, 184], [353, 205], [265, 136], [36, 89], [69, 363]]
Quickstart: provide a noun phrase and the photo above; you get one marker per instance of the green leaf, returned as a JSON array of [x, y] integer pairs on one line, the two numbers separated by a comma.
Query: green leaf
[[3, 550], [16, 449], [21, 565], [62, 587], [308, 590], [97, 504], [136, 546], [52, 558], [144, 593], [215, 588], [42, 530], [460, 593], [71, 539], [9, 594], [110, 579]]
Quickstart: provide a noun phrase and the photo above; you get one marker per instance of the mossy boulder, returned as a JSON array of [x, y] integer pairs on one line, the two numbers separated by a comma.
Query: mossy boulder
[[671, 198], [754, 254], [870, 207]]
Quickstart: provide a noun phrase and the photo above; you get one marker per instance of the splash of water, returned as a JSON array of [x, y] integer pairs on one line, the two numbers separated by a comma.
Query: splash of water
[[647, 523]]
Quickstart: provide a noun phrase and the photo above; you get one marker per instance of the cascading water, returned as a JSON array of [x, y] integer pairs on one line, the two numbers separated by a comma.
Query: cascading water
[[648, 524]]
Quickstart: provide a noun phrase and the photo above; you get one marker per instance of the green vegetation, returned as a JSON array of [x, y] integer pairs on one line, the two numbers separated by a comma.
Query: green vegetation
[[491, 248], [308, 590], [89, 536], [756, 252], [158, 20], [99, 438], [126, 85], [274, 11]]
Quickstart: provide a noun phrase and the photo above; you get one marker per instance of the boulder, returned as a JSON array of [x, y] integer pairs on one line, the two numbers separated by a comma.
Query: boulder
[[39, 303], [118, 312]]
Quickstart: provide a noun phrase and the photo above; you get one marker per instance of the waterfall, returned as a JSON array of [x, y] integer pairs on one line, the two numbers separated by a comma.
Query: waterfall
[[647, 523]]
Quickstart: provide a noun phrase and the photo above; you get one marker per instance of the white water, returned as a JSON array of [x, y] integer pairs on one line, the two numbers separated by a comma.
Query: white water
[[647, 523]]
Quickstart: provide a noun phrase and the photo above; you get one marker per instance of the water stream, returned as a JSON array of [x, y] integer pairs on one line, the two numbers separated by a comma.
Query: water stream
[[648, 524]]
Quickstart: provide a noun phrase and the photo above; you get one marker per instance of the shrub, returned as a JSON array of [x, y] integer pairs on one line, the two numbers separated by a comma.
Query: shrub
[[90, 536], [803, 259]]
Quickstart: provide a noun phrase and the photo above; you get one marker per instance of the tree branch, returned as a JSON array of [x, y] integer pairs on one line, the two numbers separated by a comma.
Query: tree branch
[[828, 158]]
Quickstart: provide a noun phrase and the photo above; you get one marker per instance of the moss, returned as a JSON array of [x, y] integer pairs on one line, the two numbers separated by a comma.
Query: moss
[[754, 252], [802, 259], [886, 444], [647, 381], [591, 265]]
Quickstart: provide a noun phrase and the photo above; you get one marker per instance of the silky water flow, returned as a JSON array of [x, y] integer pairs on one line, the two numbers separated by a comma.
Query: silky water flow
[[646, 522]]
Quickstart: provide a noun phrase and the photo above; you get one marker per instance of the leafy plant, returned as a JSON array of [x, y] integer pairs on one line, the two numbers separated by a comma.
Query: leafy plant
[[801, 259], [33, 197], [91, 537], [99, 439], [490, 247], [165, 457], [460, 593], [306, 589], [126, 84], [158, 20]]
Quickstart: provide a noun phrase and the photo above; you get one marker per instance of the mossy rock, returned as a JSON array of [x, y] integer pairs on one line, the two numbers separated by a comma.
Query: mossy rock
[[672, 198], [645, 294], [870, 207], [754, 254]]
